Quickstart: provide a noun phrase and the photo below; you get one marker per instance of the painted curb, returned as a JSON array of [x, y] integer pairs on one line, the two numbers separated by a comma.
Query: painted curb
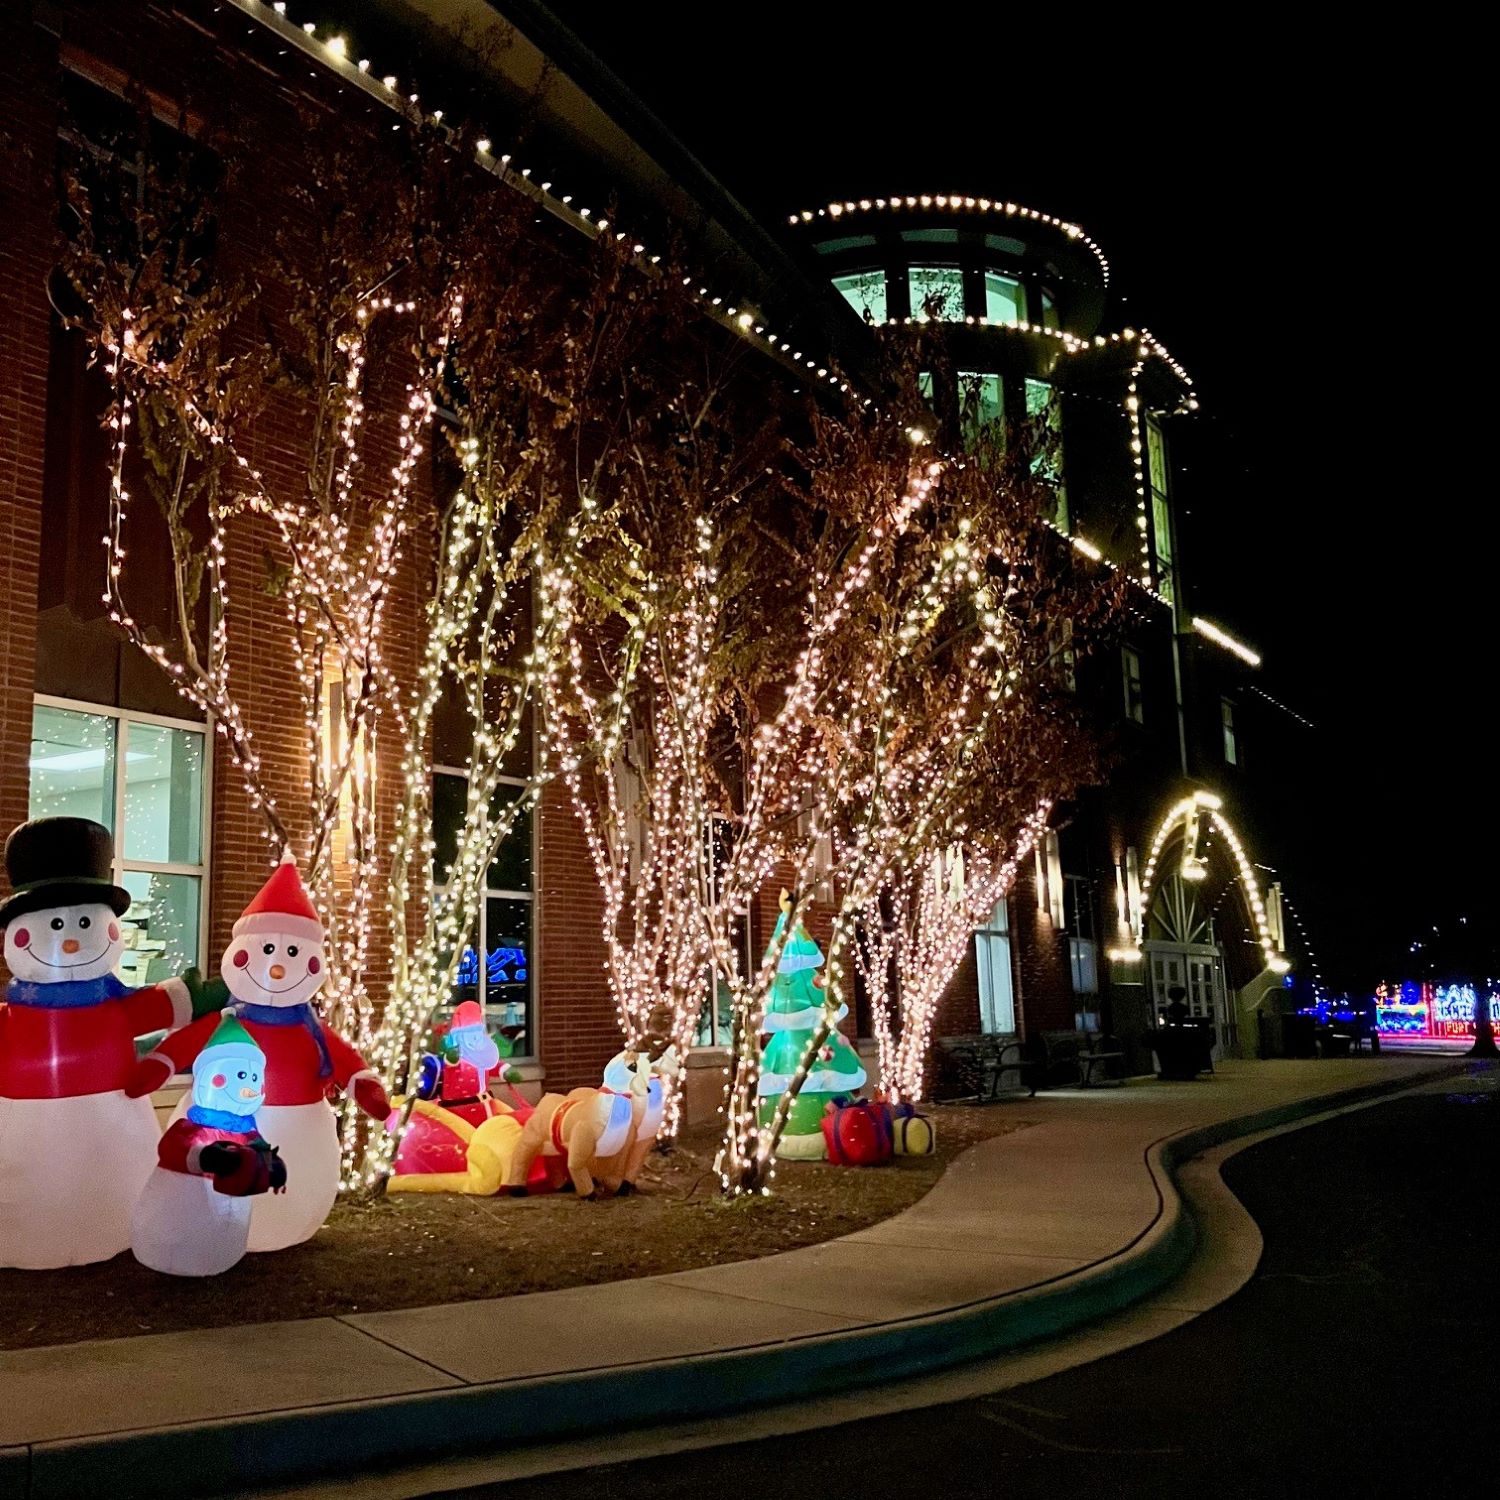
[[199, 1459]]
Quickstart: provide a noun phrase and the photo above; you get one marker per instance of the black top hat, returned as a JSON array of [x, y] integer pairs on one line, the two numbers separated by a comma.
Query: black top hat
[[60, 862]]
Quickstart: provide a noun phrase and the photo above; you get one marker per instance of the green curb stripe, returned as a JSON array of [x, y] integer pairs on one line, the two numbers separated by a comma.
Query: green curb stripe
[[241, 1453]]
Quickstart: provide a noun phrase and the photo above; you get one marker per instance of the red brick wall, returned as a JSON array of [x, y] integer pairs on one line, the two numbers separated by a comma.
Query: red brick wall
[[1039, 954], [28, 136]]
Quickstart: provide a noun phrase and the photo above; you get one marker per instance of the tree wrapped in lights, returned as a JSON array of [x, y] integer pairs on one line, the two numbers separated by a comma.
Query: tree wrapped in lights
[[936, 597], [193, 377], [971, 794], [651, 599]]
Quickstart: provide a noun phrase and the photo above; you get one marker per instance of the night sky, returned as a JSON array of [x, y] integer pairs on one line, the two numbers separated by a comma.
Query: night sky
[[1248, 213]]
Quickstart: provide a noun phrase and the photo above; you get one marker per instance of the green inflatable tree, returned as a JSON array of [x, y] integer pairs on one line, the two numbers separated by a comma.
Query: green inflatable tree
[[794, 1014]]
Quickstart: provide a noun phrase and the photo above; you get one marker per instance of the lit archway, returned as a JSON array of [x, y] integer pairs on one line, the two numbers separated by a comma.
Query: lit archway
[[1190, 815]]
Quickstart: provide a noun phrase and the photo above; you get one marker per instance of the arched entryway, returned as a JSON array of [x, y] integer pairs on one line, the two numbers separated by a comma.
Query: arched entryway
[[1194, 931]]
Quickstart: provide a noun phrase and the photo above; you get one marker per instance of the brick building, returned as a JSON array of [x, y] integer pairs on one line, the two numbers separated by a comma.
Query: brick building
[[88, 725]]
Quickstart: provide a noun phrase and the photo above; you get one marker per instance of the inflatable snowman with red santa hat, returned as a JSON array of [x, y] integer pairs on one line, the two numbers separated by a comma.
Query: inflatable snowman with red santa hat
[[76, 1147], [274, 965]]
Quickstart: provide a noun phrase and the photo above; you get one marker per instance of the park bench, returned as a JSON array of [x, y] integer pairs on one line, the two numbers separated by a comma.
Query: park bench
[[1081, 1057], [978, 1065]]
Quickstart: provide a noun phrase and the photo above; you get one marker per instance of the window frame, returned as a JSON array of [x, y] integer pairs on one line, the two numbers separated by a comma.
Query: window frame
[[124, 717], [1133, 684], [984, 967], [533, 967], [1229, 731]]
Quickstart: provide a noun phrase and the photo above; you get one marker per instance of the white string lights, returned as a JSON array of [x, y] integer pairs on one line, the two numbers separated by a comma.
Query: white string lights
[[1211, 632], [914, 936], [1186, 815]]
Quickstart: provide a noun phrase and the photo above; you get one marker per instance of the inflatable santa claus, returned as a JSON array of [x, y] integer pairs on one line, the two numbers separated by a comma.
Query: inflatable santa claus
[[274, 965], [75, 1147]]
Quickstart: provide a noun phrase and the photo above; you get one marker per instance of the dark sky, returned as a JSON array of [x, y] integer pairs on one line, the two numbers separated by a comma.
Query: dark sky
[[1249, 182]]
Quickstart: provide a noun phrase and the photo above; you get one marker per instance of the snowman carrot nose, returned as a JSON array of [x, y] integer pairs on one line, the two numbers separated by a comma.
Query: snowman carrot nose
[[277, 972], [70, 945]]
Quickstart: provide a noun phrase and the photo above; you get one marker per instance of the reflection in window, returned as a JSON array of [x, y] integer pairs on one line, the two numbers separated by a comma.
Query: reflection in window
[[1161, 509], [997, 1001], [1004, 298], [864, 291], [981, 401], [936, 292], [151, 777], [1044, 414], [495, 966]]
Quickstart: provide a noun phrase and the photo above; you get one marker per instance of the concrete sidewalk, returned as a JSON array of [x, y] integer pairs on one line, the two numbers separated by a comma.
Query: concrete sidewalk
[[1025, 1235]]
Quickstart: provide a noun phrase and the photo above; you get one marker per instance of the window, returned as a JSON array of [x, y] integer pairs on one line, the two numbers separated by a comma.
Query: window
[[1050, 318], [1004, 298], [997, 999], [1083, 950], [942, 287], [145, 778], [981, 402], [1231, 739], [716, 1012], [1050, 895], [1135, 704], [495, 968], [1044, 416], [1161, 509], [864, 291]]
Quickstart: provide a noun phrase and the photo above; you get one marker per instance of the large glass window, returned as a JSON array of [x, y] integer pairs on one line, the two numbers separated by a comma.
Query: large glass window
[[864, 291], [495, 968], [939, 287], [1050, 318], [1130, 671], [981, 401], [1231, 738], [997, 997], [1161, 509], [1004, 298], [1044, 415], [145, 778]]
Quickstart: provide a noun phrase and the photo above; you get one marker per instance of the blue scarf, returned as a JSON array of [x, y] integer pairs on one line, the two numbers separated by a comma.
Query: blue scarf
[[289, 1015], [222, 1119], [66, 994]]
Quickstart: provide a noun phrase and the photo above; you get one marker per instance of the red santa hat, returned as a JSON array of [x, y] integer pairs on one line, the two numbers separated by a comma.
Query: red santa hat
[[282, 906]]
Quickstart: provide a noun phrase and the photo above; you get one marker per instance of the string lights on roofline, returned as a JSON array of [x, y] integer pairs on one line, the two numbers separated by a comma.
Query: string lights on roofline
[[1211, 632], [959, 203]]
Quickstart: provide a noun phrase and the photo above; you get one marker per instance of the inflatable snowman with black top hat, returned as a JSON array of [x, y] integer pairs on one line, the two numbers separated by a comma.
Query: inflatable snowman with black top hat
[[193, 1219], [75, 1147], [274, 965]]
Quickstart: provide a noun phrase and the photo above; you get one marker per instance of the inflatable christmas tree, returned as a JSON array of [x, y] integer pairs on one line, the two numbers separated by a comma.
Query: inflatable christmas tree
[[794, 1014]]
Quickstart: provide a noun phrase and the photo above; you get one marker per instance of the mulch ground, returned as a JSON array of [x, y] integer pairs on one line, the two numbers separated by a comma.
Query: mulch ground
[[414, 1250]]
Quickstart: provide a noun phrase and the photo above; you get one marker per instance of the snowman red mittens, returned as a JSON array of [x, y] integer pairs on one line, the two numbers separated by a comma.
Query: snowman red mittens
[[241, 1171], [369, 1093]]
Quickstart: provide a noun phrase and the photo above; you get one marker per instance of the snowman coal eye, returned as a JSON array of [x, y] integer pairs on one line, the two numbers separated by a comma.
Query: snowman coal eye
[[291, 951], [269, 949], [56, 924], [242, 1076], [84, 922]]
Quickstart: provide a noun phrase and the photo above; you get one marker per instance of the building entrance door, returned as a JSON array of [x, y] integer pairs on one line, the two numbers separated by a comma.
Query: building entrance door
[[1198, 968]]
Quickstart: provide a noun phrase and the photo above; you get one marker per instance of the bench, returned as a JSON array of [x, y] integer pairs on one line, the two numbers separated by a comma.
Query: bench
[[1081, 1057], [979, 1064]]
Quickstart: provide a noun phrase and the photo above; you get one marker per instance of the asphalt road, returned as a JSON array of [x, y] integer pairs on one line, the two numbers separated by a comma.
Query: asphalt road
[[1360, 1359]]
